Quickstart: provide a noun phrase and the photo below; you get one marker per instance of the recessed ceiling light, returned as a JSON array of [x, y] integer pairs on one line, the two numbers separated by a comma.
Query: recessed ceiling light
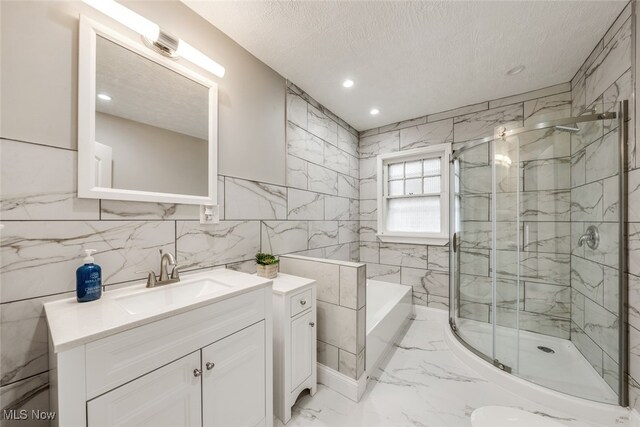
[[104, 97], [347, 83], [374, 111], [515, 70]]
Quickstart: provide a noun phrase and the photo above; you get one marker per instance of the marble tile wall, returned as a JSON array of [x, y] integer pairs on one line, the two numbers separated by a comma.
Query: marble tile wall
[[46, 226], [604, 79], [543, 174], [341, 310]]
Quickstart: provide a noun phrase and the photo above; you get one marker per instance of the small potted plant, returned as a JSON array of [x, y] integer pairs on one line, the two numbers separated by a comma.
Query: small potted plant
[[267, 265]]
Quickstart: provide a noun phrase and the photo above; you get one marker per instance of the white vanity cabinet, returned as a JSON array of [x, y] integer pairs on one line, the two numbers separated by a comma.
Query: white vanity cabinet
[[168, 396], [294, 341], [204, 365], [233, 383]]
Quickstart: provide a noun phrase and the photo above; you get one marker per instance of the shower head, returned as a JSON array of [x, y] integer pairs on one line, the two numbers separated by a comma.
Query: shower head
[[571, 128]]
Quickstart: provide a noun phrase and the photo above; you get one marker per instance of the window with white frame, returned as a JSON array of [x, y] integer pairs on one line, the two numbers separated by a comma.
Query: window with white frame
[[413, 195]]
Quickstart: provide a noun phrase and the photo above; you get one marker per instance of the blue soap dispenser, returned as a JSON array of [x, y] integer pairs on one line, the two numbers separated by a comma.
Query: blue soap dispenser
[[88, 279]]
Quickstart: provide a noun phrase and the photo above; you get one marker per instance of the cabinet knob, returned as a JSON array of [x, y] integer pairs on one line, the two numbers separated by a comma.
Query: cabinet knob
[[197, 372], [303, 301], [312, 324], [210, 365]]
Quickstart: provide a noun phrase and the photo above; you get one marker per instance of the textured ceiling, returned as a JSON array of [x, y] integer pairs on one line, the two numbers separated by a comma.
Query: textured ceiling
[[144, 91], [413, 58]]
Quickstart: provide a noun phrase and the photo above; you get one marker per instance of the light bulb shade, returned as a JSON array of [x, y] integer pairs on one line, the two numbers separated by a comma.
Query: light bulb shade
[[154, 36], [190, 53], [127, 17]]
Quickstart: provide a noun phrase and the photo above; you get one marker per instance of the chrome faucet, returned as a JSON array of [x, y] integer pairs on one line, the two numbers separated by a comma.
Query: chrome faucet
[[166, 259], [591, 237]]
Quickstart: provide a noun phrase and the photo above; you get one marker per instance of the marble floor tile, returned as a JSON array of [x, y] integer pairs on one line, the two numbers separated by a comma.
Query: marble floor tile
[[420, 383]]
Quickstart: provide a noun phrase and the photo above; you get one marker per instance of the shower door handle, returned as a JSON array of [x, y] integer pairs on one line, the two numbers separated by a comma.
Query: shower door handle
[[455, 242]]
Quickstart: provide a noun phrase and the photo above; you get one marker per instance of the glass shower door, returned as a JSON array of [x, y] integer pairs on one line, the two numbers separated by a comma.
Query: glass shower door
[[472, 290], [536, 229], [505, 257]]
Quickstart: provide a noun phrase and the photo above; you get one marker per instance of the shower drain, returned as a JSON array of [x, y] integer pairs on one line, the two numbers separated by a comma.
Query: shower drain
[[546, 349]]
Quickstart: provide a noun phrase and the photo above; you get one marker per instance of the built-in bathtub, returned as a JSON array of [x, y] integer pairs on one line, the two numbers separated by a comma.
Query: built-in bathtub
[[389, 309]]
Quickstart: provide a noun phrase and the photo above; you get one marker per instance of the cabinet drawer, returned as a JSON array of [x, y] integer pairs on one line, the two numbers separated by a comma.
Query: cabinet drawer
[[114, 360], [300, 302]]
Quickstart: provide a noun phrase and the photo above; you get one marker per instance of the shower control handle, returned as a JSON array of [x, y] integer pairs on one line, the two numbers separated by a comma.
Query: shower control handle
[[591, 237]]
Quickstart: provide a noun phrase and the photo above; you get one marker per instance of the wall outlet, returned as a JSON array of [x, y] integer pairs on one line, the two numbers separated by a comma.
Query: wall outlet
[[209, 214]]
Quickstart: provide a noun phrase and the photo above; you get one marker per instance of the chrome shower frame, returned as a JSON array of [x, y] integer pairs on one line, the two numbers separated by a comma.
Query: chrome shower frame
[[621, 115]]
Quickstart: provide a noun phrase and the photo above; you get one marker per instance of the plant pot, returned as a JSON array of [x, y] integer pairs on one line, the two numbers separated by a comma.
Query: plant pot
[[268, 271]]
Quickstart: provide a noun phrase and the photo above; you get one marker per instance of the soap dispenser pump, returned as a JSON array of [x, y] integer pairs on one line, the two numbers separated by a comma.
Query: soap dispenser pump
[[88, 279]]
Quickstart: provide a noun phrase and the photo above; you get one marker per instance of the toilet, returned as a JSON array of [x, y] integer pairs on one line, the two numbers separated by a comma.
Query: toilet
[[504, 416]]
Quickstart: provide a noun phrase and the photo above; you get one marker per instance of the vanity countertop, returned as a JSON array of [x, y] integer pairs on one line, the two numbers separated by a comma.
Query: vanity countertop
[[286, 283], [72, 324]]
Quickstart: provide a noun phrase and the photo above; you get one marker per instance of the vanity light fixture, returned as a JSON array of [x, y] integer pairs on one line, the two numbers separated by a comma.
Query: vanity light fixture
[[374, 111], [515, 70], [347, 83], [104, 97], [155, 37]]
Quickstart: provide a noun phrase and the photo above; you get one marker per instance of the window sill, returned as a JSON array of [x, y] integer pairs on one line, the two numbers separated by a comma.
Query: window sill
[[435, 241]]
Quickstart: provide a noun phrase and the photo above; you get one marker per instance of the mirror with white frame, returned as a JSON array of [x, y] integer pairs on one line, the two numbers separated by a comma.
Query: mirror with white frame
[[147, 125]]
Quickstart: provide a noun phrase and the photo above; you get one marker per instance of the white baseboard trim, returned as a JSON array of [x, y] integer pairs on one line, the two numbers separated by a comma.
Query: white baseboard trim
[[338, 382]]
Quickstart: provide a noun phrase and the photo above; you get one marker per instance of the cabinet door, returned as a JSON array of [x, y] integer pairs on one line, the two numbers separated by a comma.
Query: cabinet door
[[301, 349], [169, 396], [233, 384]]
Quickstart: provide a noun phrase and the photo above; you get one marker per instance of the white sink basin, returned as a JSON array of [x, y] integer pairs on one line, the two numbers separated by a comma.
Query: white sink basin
[[72, 324], [170, 295]]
